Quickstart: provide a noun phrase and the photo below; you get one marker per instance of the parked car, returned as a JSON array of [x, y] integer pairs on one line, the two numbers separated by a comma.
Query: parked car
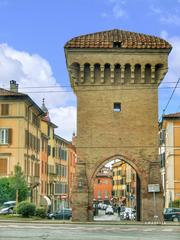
[[62, 214], [109, 210], [7, 207], [172, 214]]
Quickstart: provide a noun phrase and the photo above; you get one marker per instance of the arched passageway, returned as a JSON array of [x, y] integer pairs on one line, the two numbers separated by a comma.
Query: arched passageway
[[116, 190]]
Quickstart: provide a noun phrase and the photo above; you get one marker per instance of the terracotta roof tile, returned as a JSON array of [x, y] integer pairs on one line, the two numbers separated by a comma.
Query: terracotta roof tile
[[127, 39], [4, 92], [172, 115]]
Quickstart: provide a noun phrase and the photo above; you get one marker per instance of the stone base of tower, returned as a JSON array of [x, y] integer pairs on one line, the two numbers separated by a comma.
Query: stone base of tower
[[152, 208]]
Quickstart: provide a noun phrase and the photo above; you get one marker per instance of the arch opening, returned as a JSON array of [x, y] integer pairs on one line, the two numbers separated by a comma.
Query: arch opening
[[116, 190]]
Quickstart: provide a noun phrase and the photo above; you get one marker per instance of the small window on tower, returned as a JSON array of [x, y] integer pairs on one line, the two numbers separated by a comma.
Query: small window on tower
[[117, 107], [116, 44]]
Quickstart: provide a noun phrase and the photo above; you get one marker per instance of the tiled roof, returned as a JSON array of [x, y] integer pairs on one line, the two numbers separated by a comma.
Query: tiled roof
[[4, 92], [172, 115], [110, 39]]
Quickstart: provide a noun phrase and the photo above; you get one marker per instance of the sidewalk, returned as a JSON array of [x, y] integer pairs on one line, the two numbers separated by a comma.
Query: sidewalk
[[96, 222]]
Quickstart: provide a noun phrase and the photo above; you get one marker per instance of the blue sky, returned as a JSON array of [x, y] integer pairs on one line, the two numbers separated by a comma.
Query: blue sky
[[34, 32]]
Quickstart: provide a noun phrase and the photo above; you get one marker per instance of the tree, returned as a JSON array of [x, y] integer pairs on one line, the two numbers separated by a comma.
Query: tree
[[14, 188], [5, 190], [18, 184]]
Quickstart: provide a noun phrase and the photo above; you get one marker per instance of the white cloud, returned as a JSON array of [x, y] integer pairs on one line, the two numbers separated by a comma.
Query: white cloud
[[118, 12], [65, 118], [34, 71], [166, 17], [170, 19], [155, 9], [116, 9]]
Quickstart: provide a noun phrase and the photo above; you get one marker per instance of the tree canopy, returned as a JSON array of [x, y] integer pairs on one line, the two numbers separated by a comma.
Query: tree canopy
[[9, 186]]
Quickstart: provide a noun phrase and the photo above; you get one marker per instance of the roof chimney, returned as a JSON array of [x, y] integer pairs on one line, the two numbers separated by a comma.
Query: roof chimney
[[13, 86]]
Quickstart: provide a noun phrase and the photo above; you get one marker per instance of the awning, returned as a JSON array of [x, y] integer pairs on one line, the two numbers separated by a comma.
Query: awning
[[47, 200]]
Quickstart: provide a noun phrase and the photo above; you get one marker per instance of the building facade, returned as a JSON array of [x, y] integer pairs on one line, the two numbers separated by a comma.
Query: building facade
[[27, 138], [124, 184], [170, 157], [103, 186], [20, 137]]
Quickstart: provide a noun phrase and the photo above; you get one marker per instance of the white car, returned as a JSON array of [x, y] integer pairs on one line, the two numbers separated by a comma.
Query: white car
[[109, 210]]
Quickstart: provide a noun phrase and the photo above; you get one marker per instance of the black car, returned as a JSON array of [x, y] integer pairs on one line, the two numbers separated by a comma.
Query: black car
[[62, 214], [172, 214]]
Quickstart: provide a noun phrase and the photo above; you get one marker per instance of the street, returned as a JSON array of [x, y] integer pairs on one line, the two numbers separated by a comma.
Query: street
[[37, 231], [103, 217]]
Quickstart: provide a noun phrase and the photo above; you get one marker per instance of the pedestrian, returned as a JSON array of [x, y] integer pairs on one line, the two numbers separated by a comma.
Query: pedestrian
[[119, 210]]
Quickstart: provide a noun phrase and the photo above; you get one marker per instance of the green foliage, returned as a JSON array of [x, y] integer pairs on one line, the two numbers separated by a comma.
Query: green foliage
[[41, 212], [5, 191], [26, 209], [9, 186], [18, 183], [175, 203]]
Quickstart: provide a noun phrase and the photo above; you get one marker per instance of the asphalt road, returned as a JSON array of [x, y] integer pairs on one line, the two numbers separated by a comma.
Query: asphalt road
[[31, 231]]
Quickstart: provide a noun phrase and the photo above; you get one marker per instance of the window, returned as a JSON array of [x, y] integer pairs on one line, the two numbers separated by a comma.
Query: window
[[99, 181], [4, 109], [3, 167], [105, 193], [99, 194], [117, 107], [116, 44], [5, 135]]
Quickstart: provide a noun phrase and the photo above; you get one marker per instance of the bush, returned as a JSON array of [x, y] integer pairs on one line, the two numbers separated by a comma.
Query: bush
[[41, 212], [26, 209], [176, 203]]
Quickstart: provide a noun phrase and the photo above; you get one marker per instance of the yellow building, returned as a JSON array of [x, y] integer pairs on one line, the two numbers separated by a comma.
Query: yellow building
[[61, 185], [124, 183], [170, 157], [119, 181], [20, 136]]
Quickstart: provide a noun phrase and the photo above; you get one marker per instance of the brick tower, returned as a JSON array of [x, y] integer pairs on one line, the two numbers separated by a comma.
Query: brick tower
[[115, 75]]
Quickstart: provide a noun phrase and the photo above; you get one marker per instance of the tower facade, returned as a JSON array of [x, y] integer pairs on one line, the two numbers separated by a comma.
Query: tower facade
[[115, 75]]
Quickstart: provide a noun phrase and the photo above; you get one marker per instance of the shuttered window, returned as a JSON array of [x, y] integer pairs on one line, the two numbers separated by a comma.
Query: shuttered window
[[5, 136], [4, 109], [3, 166]]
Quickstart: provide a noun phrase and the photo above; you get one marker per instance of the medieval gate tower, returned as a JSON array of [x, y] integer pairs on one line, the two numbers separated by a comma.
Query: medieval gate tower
[[115, 76]]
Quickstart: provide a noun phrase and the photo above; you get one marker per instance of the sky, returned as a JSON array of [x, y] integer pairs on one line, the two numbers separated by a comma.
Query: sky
[[33, 34]]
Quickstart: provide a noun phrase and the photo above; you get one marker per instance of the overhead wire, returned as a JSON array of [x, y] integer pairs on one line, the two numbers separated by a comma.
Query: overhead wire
[[170, 98]]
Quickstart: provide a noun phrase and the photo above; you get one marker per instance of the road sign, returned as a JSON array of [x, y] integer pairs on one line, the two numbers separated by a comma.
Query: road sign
[[153, 188]]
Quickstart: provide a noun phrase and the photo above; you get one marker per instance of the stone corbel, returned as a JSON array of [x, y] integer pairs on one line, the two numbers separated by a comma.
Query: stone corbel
[[92, 74], [132, 74], [81, 73], [152, 74], [102, 73], [122, 73], [142, 74], [112, 73]]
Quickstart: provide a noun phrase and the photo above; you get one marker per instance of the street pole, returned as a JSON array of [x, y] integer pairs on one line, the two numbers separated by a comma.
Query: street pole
[[154, 201]]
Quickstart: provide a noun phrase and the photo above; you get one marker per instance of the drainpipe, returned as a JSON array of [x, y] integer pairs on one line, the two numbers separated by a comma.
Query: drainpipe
[[27, 150]]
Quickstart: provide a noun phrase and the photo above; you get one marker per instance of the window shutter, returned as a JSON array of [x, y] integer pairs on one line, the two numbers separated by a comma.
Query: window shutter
[[3, 167], [26, 138], [4, 109], [10, 135]]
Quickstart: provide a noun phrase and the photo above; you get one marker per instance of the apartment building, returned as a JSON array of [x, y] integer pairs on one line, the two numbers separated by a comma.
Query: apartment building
[[170, 157], [124, 184], [103, 186], [20, 136], [27, 137]]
